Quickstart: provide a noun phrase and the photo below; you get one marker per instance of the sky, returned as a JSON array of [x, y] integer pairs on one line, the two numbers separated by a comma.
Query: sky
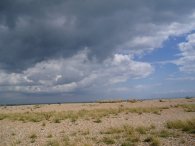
[[87, 50]]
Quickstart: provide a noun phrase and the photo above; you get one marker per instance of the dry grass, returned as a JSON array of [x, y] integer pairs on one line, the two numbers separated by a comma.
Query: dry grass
[[113, 130], [153, 140], [124, 135], [64, 141], [127, 135], [43, 124], [188, 107], [32, 137], [187, 125], [165, 133], [16, 142], [97, 121], [142, 129], [108, 140], [53, 124], [37, 106], [128, 143], [56, 117], [49, 136], [52, 143]]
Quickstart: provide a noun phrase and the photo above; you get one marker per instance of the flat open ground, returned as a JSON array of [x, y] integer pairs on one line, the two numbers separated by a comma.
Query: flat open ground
[[169, 122]]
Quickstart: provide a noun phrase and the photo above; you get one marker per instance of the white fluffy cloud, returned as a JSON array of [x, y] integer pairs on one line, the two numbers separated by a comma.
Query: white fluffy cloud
[[77, 72], [150, 36], [186, 61]]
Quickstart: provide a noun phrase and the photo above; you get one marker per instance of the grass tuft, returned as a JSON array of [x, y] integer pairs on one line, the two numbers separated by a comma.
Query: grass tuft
[[2, 116], [52, 143], [153, 140], [128, 143], [113, 130], [142, 129], [188, 107], [43, 124], [97, 121], [49, 136], [66, 140], [56, 120], [108, 140], [165, 133], [33, 136], [37, 106], [125, 134], [187, 126]]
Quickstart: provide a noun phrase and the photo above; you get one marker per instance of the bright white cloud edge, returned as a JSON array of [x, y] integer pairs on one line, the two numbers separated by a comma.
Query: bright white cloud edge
[[76, 72]]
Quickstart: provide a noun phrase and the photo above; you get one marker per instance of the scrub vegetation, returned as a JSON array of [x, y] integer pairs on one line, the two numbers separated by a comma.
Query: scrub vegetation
[[150, 123], [56, 117], [186, 125]]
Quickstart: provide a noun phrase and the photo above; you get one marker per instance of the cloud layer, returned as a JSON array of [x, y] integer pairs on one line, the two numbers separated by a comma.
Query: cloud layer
[[77, 72], [186, 61], [70, 46], [35, 30]]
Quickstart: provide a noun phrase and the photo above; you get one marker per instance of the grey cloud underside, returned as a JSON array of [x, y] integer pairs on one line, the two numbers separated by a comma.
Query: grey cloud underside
[[73, 74], [32, 31]]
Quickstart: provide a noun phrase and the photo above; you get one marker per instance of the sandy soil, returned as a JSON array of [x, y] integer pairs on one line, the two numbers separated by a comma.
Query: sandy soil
[[86, 132]]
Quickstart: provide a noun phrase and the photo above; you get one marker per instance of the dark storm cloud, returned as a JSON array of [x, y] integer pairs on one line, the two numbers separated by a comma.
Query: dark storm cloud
[[35, 30]]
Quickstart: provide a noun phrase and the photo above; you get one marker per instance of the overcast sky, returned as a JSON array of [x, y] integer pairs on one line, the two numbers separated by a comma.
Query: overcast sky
[[84, 50]]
